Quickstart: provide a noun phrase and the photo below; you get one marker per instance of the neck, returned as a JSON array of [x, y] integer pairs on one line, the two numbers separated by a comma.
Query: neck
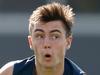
[[57, 70]]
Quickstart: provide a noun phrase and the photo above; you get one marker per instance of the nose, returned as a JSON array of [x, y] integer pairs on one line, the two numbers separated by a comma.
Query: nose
[[46, 47], [47, 44]]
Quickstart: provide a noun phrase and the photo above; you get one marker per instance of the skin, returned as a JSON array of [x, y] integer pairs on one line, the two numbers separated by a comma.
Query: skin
[[7, 69], [46, 39], [49, 39]]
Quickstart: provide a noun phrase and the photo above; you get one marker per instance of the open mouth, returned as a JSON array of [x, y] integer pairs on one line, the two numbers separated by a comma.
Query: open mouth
[[47, 55]]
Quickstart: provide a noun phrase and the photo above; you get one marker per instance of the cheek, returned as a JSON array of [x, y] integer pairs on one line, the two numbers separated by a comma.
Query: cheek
[[36, 47], [60, 49]]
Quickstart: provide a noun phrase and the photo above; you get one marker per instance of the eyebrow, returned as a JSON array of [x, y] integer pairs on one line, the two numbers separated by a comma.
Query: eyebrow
[[56, 30], [39, 30]]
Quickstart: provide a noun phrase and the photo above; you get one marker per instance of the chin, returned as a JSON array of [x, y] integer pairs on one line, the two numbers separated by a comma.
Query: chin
[[49, 64]]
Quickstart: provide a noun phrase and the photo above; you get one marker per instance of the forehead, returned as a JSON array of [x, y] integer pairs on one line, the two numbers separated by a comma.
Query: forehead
[[49, 25]]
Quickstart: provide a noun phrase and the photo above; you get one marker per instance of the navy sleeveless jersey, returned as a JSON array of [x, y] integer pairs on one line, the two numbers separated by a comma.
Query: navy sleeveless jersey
[[27, 67]]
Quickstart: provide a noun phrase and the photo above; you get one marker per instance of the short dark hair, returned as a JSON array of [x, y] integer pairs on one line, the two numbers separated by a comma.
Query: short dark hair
[[51, 12]]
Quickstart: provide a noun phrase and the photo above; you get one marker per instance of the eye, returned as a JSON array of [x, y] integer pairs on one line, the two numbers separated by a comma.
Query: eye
[[39, 36], [54, 37]]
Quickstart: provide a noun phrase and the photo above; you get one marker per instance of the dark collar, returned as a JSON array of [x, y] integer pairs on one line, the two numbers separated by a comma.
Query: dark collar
[[70, 68]]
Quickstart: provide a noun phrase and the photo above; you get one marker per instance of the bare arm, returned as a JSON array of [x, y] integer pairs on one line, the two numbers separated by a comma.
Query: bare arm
[[7, 69]]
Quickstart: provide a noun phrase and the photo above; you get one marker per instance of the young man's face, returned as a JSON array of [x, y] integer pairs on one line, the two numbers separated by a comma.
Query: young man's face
[[49, 42]]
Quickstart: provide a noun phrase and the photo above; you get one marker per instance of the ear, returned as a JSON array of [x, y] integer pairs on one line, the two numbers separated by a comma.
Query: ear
[[69, 41], [30, 41]]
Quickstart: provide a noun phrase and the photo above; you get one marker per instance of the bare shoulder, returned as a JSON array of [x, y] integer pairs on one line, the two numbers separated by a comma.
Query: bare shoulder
[[7, 69]]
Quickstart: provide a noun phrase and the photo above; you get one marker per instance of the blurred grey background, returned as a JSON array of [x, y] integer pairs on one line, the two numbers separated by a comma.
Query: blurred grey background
[[85, 50]]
